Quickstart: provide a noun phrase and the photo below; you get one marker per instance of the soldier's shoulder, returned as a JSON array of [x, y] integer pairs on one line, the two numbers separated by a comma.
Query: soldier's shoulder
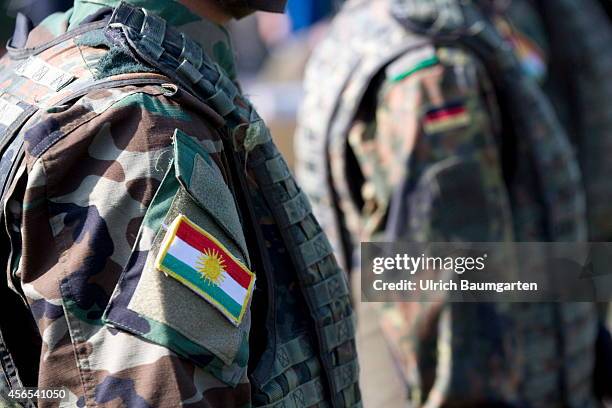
[[151, 109]]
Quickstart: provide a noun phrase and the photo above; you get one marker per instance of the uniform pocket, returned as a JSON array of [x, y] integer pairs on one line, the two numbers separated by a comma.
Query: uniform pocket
[[187, 285]]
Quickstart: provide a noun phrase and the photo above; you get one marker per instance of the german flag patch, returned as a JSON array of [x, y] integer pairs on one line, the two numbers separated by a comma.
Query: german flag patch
[[199, 261], [446, 117]]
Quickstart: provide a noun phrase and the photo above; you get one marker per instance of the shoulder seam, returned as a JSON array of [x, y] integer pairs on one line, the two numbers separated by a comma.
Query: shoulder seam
[[46, 143]]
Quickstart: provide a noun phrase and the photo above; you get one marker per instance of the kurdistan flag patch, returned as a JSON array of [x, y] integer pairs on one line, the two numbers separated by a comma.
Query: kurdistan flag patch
[[199, 261]]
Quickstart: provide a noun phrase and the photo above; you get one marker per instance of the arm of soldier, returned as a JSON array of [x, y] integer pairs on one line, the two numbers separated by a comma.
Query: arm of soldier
[[435, 136], [106, 180]]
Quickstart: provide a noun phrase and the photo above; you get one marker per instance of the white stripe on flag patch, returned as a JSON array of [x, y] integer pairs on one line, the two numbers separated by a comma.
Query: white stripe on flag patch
[[190, 257]]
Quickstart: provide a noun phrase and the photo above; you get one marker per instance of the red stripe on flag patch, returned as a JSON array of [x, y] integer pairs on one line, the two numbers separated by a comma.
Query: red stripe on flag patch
[[201, 242], [447, 117], [445, 113]]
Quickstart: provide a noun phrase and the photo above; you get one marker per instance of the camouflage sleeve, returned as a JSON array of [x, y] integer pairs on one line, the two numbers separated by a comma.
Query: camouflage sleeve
[[431, 164], [110, 182], [433, 144]]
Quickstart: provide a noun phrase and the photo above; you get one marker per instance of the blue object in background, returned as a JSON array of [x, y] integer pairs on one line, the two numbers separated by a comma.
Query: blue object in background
[[37, 10], [305, 13]]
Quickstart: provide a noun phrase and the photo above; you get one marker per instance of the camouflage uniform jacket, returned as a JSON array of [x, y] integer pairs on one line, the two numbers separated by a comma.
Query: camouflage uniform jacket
[[421, 157], [114, 181]]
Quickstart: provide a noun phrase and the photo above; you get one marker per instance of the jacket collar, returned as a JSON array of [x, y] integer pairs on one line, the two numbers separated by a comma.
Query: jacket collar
[[213, 38]]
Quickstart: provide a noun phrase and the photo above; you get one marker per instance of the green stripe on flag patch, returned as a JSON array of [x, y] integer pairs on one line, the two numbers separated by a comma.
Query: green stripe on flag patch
[[429, 62], [204, 288]]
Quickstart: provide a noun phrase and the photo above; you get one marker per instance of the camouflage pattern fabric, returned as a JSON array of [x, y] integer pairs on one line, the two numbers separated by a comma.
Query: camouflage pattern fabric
[[289, 238], [414, 147], [85, 199], [109, 154]]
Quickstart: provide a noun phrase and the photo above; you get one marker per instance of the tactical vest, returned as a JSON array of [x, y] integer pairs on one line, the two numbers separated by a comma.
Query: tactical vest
[[365, 38], [579, 35], [312, 360]]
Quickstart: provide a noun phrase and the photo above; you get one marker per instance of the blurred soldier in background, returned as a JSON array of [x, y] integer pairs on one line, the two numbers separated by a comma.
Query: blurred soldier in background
[[576, 39], [427, 121], [158, 250]]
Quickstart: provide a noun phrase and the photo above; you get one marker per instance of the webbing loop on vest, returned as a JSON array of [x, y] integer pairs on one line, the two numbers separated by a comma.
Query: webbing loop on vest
[[225, 93], [306, 395], [191, 52], [314, 250], [153, 32], [345, 375], [221, 103], [189, 72], [292, 353], [328, 290], [349, 397], [337, 333], [270, 171], [294, 210], [276, 389], [277, 169]]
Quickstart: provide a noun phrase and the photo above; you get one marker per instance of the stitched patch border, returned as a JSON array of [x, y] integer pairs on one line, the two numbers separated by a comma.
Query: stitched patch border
[[199, 261]]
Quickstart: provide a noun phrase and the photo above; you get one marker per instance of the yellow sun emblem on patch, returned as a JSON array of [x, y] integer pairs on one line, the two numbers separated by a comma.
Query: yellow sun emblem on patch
[[210, 265]]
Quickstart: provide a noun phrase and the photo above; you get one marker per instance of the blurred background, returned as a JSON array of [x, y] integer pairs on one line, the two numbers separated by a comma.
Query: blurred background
[[271, 52]]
